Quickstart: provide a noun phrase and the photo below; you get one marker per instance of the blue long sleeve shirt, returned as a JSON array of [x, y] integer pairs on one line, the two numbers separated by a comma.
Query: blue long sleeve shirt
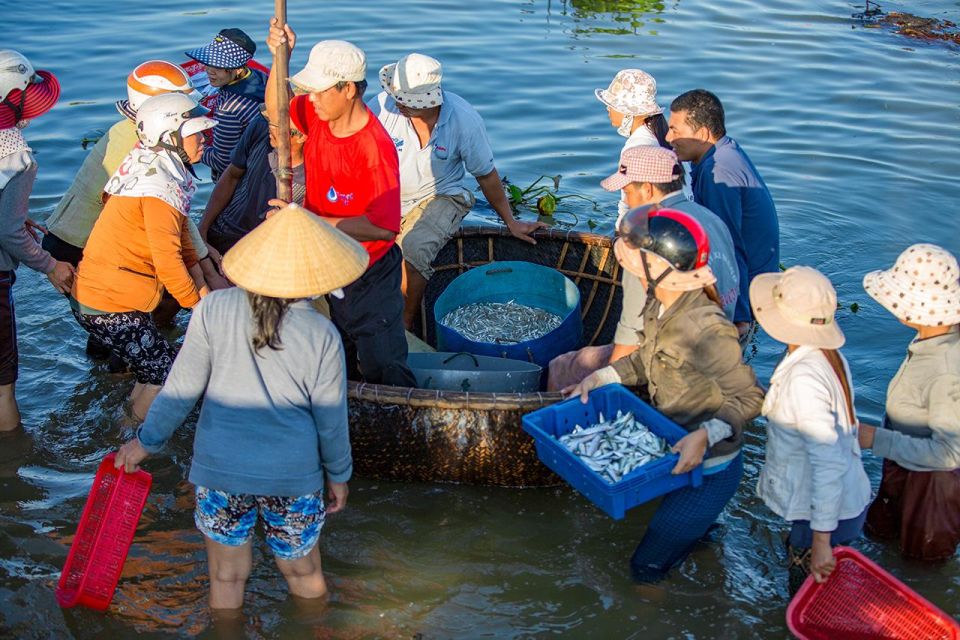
[[726, 182], [272, 421]]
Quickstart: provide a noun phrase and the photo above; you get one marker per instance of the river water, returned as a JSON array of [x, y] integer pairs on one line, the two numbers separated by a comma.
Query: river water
[[855, 131]]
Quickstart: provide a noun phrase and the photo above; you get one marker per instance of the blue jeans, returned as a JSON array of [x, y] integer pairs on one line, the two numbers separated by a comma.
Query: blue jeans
[[682, 519]]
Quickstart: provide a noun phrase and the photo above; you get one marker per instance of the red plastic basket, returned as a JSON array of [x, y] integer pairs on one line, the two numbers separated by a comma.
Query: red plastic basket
[[104, 536], [861, 601]]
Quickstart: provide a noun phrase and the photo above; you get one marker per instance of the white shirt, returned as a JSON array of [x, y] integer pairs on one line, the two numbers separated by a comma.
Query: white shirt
[[641, 136], [813, 469], [458, 142]]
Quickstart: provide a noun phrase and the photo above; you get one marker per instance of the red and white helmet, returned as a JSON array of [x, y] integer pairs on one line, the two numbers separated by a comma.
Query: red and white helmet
[[154, 78]]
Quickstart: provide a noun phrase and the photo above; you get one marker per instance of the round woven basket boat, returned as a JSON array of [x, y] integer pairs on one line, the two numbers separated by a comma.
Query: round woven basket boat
[[419, 435]]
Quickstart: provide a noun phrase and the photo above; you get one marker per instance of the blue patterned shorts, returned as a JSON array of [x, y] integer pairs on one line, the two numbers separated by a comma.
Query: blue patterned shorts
[[292, 525]]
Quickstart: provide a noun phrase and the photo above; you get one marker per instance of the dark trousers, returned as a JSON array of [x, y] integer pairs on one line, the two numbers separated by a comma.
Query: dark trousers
[[9, 357], [370, 321], [680, 522], [61, 250], [222, 242]]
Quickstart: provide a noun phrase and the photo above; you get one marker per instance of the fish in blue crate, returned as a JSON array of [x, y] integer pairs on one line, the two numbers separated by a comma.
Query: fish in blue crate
[[616, 447]]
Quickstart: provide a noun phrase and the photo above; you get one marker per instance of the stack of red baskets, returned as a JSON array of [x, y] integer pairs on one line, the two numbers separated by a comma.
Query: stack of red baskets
[[861, 601], [106, 531]]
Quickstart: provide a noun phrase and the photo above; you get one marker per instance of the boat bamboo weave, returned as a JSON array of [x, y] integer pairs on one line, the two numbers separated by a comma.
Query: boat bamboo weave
[[419, 435]]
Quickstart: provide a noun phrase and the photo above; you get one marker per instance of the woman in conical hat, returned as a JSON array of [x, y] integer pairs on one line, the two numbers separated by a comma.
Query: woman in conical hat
[[270, 370]]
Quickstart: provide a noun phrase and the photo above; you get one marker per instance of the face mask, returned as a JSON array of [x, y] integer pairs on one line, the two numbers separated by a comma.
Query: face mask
[[626, 126]]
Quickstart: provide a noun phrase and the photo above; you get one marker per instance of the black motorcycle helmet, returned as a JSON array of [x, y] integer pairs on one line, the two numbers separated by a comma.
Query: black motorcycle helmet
[[672, 235]]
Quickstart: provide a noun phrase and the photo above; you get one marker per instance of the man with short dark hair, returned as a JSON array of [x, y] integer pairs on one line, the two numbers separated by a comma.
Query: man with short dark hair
[[353, 183], [726, 182], [241, 197]]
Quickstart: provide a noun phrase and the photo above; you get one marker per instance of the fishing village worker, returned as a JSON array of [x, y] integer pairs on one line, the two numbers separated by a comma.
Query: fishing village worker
[[650, 176], [726, 182], [631, 101], [813, 474], [690, 362], [70, 224], [242, 196], [353, 183], [273, 423], [241, 91], [140, 245], [919, 497], [25, 93], [438, 136]]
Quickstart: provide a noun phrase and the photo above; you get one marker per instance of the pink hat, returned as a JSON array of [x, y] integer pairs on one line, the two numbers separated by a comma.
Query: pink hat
[[644, 163], [41, 94]]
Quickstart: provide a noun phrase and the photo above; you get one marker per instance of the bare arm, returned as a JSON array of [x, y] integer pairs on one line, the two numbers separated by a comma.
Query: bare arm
[[492, 189], [275, 38], [361, 229], [221, 196]]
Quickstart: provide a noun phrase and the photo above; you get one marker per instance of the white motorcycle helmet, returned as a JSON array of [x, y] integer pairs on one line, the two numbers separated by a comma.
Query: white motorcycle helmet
[[166, 120], [15, 72]]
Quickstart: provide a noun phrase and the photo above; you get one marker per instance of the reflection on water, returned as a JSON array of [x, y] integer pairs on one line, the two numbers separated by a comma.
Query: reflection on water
[[618, 17], [853, 130]]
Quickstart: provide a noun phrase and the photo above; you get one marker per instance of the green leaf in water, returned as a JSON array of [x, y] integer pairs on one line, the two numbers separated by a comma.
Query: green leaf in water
[[516, 195], [546, 204], [591, 224]]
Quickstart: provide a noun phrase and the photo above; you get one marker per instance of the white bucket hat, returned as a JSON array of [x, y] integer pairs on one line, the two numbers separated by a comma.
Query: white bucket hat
[[632, 92], [414, 81], [797, 307], [922, 287], [330, 62]]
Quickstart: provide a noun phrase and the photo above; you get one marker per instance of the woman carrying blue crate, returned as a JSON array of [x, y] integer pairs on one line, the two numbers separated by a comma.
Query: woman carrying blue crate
[[689, 363], [813, 476]]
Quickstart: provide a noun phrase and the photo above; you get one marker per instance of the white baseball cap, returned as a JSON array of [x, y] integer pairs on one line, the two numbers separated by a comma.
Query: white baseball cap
[[330, 62]]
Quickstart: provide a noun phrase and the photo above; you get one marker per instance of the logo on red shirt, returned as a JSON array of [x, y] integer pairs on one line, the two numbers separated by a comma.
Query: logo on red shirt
[[344, 198]]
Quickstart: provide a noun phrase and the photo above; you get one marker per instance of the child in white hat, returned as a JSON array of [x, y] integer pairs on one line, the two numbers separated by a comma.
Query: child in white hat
[[813, 476], [919, 498], [272, 431]]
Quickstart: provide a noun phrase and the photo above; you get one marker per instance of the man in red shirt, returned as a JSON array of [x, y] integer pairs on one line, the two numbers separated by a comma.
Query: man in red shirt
[[353, 182]]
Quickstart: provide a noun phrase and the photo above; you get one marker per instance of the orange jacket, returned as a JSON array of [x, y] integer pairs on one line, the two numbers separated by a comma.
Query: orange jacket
[[138, 247]]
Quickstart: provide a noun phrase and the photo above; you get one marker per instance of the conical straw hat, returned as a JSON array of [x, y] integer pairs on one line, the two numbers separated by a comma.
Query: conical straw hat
[[295, 254]]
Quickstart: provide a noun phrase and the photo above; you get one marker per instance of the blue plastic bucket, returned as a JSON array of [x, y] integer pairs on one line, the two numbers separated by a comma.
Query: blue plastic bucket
[[525, 283]]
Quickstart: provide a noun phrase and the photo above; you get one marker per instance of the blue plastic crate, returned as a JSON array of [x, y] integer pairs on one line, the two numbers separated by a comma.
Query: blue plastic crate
[[640, 485]]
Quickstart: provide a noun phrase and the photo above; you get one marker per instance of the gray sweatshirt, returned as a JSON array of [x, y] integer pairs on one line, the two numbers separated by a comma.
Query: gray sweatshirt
[[272, 422], [923, 408], [16, 245]]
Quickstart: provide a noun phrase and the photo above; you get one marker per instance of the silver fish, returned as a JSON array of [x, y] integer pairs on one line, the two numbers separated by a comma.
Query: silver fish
[[501, 322], [615, 448]]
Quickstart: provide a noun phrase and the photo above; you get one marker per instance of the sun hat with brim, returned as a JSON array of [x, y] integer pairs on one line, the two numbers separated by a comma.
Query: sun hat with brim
[[797, 307], [632, 260], [295, 254], [330, 62], [644, 163], [414, 81], [922, 287], [229, 49], [34, 101], [632, 92]]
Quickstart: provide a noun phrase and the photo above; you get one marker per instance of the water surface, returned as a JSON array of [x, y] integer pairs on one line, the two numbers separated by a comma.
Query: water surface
[[855, 130]]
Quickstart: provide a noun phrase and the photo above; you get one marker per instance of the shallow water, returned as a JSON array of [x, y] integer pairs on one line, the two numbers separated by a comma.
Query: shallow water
[[854, 130]]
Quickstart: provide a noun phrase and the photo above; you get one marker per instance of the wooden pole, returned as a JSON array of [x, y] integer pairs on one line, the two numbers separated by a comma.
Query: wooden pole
[[281, 71]]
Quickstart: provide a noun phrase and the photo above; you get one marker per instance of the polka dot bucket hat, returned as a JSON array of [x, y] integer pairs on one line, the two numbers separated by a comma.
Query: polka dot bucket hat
[[922, 287], [414, 81]]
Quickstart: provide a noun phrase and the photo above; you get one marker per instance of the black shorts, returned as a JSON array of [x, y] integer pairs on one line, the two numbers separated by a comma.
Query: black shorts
[[9, 358], [62, 250]]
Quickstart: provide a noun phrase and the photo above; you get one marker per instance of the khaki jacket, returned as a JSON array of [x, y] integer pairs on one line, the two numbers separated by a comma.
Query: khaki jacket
[[690, 362]]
